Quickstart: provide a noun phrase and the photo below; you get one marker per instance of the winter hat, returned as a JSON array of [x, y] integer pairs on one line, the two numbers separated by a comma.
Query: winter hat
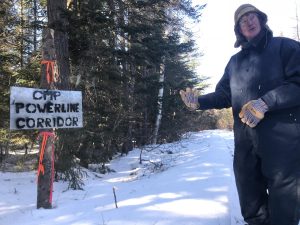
[[242, 10]]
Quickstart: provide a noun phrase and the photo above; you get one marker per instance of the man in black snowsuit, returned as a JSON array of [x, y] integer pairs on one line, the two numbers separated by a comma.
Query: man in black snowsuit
[[262, 85]]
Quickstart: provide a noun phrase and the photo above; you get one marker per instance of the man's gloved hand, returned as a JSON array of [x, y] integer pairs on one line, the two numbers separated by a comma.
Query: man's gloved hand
[[190, 98], [253, 112]]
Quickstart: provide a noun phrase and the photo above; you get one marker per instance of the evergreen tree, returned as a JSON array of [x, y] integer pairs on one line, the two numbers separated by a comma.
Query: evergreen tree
[[19, 64], [116, 49], [7, 59]]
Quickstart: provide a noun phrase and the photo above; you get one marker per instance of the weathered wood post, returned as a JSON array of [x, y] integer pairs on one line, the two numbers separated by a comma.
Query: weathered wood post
[[47, 108], [55, 75], [46, 155], [45, 170]]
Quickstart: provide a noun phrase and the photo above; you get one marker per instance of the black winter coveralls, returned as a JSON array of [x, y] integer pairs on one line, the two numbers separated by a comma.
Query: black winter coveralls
[[267, 157]]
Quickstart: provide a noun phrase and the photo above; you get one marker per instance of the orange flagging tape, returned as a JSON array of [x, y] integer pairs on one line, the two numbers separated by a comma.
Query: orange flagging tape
[[41, 168], [49, 66], [45, 135]]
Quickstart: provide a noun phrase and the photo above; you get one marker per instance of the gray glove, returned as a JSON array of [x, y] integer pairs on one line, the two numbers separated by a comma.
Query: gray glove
[[190, 98], [253, 112]]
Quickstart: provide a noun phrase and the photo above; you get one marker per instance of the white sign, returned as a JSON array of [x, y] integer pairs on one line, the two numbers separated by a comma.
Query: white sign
[[32, 108]]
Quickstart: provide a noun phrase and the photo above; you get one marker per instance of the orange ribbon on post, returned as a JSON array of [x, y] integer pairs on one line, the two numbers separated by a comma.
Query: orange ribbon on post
[[41, 168], [50, 65], [46, 135]]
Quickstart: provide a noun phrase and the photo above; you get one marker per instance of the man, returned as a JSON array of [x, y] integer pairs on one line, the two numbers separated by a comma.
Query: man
[[262, 85]]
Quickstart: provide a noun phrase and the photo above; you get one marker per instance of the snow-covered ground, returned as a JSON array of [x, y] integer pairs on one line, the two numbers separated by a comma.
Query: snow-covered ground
[[185, 183]]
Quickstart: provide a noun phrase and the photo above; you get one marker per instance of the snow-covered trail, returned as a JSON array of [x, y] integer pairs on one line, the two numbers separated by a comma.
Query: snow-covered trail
[[195, 187]]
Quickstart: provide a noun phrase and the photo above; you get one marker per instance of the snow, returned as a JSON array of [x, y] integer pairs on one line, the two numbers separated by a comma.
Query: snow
[[189, 182]]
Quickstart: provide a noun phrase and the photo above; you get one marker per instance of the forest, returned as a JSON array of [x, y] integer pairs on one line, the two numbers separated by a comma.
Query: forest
[[129, 59]]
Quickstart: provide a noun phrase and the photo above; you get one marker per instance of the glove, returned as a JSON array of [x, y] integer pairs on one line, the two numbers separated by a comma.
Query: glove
[[190, 98], [253, 112]]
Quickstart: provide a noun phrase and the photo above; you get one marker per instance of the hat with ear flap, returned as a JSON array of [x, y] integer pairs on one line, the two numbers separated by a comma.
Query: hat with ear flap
[[242, 10]]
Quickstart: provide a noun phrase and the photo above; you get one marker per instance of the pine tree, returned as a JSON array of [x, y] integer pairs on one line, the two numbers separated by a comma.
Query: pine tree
[[19, 65], [117, 50], [7, 59]]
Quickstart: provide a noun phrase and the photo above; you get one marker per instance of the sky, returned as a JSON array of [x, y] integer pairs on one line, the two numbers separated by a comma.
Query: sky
[[215, 36], [192, 186]]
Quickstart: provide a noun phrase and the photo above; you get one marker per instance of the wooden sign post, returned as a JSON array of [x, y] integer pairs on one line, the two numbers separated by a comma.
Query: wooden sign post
[[45, 170], [45, 109], [46, 159]]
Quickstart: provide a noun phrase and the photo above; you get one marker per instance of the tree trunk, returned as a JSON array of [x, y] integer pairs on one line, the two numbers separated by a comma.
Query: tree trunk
[[35, 25], [160, 100], [22, 34], [58, 22], [46, 172], [46, 159], [55, 50]]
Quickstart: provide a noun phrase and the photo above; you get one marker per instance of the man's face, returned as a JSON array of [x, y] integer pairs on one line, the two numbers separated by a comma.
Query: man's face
[[250, 25]]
